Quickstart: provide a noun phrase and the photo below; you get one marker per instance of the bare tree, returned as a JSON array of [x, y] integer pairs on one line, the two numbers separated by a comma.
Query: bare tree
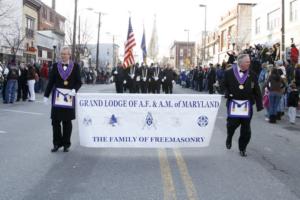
[[6, 9], [14, 38], [84, 36]]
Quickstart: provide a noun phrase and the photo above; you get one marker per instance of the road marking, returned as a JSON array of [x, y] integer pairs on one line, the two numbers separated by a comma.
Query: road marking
[[3, 131], [185, 176], [169, 189], [23, 112]]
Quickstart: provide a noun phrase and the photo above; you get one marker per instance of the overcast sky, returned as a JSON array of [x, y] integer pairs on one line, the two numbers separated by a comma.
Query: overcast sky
[[172, 18]]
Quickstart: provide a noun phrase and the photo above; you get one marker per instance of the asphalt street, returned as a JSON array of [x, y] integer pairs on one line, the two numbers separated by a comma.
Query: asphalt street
[[29, 171]]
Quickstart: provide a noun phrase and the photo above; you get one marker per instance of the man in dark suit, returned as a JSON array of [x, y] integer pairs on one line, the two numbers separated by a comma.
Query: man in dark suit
[[168, 79], [211, 78], [64, 76], [242, 91], [119, 77]]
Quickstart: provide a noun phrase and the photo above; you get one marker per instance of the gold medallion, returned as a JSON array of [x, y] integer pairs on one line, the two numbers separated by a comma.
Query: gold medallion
[[66, 82], [241, 87]]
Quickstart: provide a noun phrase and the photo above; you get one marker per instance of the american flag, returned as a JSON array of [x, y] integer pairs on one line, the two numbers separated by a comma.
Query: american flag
[[130, 43]]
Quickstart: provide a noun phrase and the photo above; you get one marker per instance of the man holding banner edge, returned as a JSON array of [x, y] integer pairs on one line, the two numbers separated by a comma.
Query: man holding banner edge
[[242, 92], [64, 82]]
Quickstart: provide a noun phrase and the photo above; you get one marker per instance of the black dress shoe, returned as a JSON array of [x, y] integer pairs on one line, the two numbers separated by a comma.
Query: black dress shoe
[[55, 148], [243, 153], [66, 149], [228, 144]]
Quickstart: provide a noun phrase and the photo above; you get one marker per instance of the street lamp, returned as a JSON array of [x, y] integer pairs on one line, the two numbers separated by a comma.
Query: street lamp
[[54, 53], [187, 46], [204, 42], [113, 48], [98, 36]]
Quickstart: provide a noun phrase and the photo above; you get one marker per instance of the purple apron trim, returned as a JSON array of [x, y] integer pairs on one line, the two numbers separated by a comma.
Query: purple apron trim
[[56, 92], [237, 76], [248, 104], [65, 74]]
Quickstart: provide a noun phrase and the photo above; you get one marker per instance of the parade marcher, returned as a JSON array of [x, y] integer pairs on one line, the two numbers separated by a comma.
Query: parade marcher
[[242, 91], [64, 81], [168, 79], [156, 79], [131, 78], [119, 77], [211, 78], [31, 80], [12, 82], [144, 79], [22, 83]]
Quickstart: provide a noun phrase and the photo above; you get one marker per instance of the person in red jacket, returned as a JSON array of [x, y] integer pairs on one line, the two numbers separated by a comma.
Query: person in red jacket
[[294, 55], [44, 76]]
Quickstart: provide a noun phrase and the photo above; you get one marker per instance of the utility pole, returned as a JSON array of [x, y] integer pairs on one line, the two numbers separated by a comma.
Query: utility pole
[[204, 39], [98, 37], [282, 30], [74, 31], [79, 45]]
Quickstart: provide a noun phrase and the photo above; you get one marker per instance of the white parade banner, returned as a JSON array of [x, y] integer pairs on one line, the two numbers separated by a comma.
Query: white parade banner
[[146, 120]]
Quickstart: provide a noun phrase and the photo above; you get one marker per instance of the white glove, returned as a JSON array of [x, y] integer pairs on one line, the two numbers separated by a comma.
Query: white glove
[[124, 82], [132, 76], [138, 78], [156, 78], [173, 82], [115, 72], [72, 93], [46, 100]]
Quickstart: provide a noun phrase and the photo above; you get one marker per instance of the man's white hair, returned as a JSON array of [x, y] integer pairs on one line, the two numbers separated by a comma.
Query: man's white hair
[[66, 48], [241, 57]]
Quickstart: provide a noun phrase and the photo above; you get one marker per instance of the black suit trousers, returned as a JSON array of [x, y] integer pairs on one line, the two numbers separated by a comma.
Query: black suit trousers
[[62, 137], [245, 130]]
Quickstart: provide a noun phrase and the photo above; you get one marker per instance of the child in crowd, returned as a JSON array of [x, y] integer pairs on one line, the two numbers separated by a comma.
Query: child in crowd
[[293, 98]]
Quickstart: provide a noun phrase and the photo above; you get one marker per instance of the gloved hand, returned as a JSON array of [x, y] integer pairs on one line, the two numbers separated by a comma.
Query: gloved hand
[[124, 82], [46, 100], [72, 93], [173, 82]]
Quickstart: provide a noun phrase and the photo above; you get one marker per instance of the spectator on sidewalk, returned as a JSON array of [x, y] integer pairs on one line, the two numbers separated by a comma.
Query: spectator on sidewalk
[[44, 76], [294, 54], [293, 98], [22, 83], [31, 76], [12, 83]]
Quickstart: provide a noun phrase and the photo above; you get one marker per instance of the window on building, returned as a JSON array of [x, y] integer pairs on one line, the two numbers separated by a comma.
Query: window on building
[[49, 54], [29, 27], [51, 17], [223, 40], [40, 53], [294, 10], [257, 26], [274, 19], [44, 13], [61, 26], [181, 52]]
